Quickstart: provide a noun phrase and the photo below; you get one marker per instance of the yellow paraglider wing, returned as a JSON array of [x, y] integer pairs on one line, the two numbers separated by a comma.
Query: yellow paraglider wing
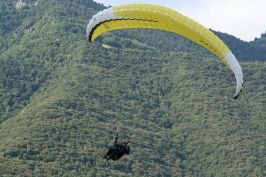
[[158, 17]]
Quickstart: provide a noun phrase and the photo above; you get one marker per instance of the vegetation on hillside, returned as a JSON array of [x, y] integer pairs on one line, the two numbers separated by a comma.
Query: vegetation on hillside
[[62, 99]]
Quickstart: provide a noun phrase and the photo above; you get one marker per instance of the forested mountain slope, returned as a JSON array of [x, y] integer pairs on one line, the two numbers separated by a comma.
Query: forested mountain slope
[[62, 99], [246, 51]]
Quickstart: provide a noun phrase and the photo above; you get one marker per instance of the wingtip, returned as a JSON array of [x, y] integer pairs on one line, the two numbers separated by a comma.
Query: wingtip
[[235, 97]]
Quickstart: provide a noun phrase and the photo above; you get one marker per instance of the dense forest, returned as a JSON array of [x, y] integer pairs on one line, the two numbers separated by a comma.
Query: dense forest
[[63, 99]]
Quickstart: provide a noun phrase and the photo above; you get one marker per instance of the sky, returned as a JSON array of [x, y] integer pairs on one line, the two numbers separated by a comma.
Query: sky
[[244, 19]]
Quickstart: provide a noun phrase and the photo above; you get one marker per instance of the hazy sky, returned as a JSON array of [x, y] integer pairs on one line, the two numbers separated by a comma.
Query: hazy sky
[[244, 19]]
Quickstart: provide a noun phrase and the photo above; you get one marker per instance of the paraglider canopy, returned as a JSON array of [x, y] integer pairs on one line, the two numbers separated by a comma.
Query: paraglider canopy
[[158, 17]]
